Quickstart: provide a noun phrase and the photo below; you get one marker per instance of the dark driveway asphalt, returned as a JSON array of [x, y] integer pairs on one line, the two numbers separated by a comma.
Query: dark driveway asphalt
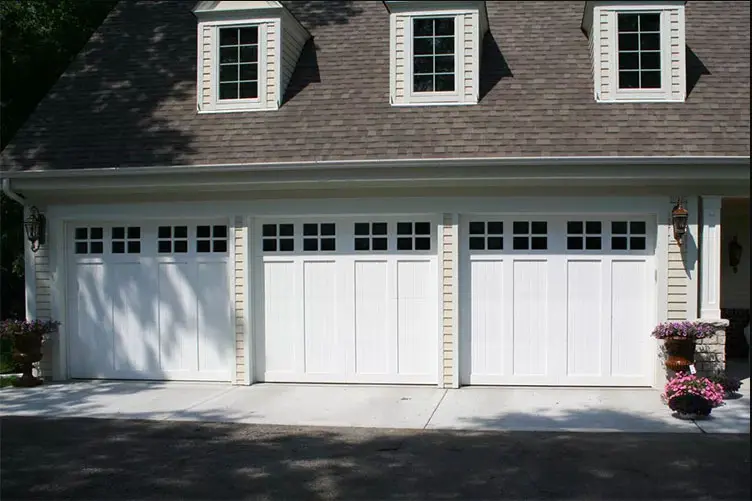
[[109, 459]]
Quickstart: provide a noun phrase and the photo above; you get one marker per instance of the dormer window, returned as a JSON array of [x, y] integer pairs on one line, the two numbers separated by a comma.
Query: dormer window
[[434, 62], [639, 48], [238, 63]]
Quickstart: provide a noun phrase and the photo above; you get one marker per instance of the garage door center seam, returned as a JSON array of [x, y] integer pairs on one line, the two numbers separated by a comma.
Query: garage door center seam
[[435, 409]]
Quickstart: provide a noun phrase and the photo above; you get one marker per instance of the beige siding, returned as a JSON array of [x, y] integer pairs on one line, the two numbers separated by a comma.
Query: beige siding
[[468, 56], [677, 55], [206, 67], [43, 285], [604, 54], [271, 63], [399, 58], [293, 40], [677, 282], [447, 299], [239, 266], [592, 41]]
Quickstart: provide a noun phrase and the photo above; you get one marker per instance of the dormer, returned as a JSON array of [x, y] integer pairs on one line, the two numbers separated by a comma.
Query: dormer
[[637, 50], [247, 52], [435, 51]]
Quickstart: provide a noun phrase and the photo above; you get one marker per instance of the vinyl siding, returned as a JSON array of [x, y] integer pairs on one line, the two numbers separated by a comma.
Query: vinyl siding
[[677, 282], [293, 40], [43, 285], [447, 300], [676, 30], [271, 64], [470, 63], [604, 54], [205, 95], [399, 59], [239, 300]]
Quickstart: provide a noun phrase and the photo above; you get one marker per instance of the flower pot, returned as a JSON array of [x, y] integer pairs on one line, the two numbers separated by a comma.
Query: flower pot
[[681, 354], [27, 351], [687, 416]]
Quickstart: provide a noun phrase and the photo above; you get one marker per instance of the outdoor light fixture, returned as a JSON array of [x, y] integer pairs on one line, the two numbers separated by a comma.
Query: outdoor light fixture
[[34, 225], [734, 253], [679, 218]]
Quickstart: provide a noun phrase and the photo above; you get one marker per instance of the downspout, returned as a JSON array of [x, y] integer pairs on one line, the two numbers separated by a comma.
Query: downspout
[[12, 194]]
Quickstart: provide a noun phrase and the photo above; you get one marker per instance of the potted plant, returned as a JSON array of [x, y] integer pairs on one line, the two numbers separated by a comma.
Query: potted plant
[[26, 339], [680, 339], [730, 384], [691, 396]]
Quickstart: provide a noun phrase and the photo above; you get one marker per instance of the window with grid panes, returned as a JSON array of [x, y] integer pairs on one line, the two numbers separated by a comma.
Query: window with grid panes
[[433, 54], [639, 49], [238, 63]]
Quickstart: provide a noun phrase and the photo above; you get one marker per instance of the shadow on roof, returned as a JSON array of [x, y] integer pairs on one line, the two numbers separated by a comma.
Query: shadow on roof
[[695, 69], [315, 13], [493, 66]]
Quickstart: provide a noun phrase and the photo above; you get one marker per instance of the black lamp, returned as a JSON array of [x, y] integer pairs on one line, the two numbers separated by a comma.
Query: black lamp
[[734, 253], [679, 219], [34, 225]]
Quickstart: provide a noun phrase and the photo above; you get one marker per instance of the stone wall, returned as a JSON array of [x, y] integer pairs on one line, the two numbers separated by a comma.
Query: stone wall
[[710, 353]]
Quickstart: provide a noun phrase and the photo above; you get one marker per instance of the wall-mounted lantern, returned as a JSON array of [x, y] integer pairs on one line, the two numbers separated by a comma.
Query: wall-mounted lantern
[[679, 219], [734, 253], [34, 225]]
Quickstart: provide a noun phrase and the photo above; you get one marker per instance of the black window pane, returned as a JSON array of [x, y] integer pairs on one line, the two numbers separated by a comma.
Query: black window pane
[[163, 232], [593, 227], [650, 22], [629, 61], [361, 228], [220, 231], [269, 230], [422, 27], [520, 228], [249, 54], [310, 244], [574, 243], [203, 231], [404, 244], [118, 247], [228, 91], [220, 246], [310, 229], [97, 233], [327, 229], [539, 227], [181, 246], [628, 22], [269, 245], [628, 42], [422, 243], [539, 243], [444, 83], [477, 243], [82, 247], [118, 233], [378, 229], [619, 243], [444, 26], [286, 244], [82, 233], [629, 79], [651, 79], [164, 246], [362, 244], [228, 55], [327, 244], [637, 243], [180, 232], [444, 45], [228, 73], [379, 244], [495, 243], [520, 243], [228, 36], [650, 41], [495, 228], [134, 247], [619, 227], [637, 227], [286, 230], [423, 46], [593, 243], [404, 228], [574, 227], [477, 228], [423, 64], [650, 60], [249, 35], [422, 228], [248, 90], [203, 246], [134, 232], [444, 64], [248, 72], [423, 83], [96, 247]]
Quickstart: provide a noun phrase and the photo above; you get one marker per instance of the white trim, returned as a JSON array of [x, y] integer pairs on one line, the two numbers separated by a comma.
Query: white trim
[[30, 275], [455, 301], [710, 258], [248, 304]]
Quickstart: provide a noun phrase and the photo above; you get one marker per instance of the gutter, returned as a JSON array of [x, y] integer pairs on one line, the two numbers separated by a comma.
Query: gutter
[[12, 194]]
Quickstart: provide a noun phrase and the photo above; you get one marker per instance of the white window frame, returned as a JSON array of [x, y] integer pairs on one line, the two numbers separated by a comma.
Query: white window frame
[[216, 66]]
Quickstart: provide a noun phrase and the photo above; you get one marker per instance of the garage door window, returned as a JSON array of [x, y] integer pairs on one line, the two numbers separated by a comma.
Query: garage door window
[[89, 240], [486, 235], [211, 238], [414, 236], [126, 240], [584, 235], [172, 239], [319, 237], [530, 235], [628, 235], [370, 236], [278, 237]]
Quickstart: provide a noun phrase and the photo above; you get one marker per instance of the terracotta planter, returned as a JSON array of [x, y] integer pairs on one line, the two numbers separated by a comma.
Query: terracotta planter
[[27, 350], [681, 353]]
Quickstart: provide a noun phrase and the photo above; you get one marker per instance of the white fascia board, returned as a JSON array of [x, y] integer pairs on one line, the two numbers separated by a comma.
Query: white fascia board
[[587, 14]]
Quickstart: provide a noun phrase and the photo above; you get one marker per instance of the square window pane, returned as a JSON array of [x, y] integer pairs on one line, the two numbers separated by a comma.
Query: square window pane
[[574, 227], [134, 232], [423, 46], [495, 228], [219, 246], [248, 72], [249, 35], [422, 228], [327, 244], [422, 27], [628, 42], [362, 229], [219, 231], [228, 36], [286, 244], [593, 227], [82, 247], [520, 243], [405, 243], [651, 80], [593, 243], [637, 227], [520, 228], [228, 55], [362, 244], [619, 243], [310, 244], [96, 233], [650, 60], [539, 243], [477, 243], [404, 228], [286, 230], [180, 232], [619, 227], [444, 45], [650, 22], [248, 90], [82, 233], [378, 229], [444, 26], [248, 54], [637, 243], [650, 41], [628, 22], [444, 83], [228, 73], [310, 229], [181, 246], [118, 233], [164, 246], [269, 230], [444, 64], [96, 247], [574, 243], [203, 245], [477, 228], [269, 245], [327, 229], [495, 243], [629, 60], [629, 79], [379, 244], [423, 64], [422, 243], [228, 91], [164, 232], [203, 231], [539, 227], [134, 247], [423, 83]]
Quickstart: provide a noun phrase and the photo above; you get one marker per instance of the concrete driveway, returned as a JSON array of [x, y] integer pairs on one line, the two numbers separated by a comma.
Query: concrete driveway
[[510, 409]]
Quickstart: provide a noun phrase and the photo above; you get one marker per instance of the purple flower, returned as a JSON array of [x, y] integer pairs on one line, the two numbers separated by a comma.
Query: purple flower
[[684, 330]]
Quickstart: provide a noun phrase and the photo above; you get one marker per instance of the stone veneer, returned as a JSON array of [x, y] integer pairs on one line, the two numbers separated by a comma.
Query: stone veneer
[[710, 353]]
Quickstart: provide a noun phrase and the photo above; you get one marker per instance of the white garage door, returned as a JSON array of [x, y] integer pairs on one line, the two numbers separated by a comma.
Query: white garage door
[[348, 300], [150, 301], [562, 300]]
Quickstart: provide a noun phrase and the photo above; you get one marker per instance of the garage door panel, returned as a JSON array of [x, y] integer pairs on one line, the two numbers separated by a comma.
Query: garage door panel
[[92, 335], [374, 350], [584, 316], [416, 316], [177, 317], [488, 316], [213, 317], [628, 317], [530, 308], [136, 346], [324, 353], [282, 318]]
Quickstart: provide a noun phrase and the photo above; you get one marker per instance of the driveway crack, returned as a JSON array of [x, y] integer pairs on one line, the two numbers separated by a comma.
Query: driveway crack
[[435, 409]]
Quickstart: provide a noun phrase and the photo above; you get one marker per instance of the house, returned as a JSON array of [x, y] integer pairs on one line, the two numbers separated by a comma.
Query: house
[[401, 192]]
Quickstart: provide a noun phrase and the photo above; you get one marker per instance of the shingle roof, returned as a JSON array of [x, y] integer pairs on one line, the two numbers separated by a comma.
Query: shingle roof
[[130, 97]]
